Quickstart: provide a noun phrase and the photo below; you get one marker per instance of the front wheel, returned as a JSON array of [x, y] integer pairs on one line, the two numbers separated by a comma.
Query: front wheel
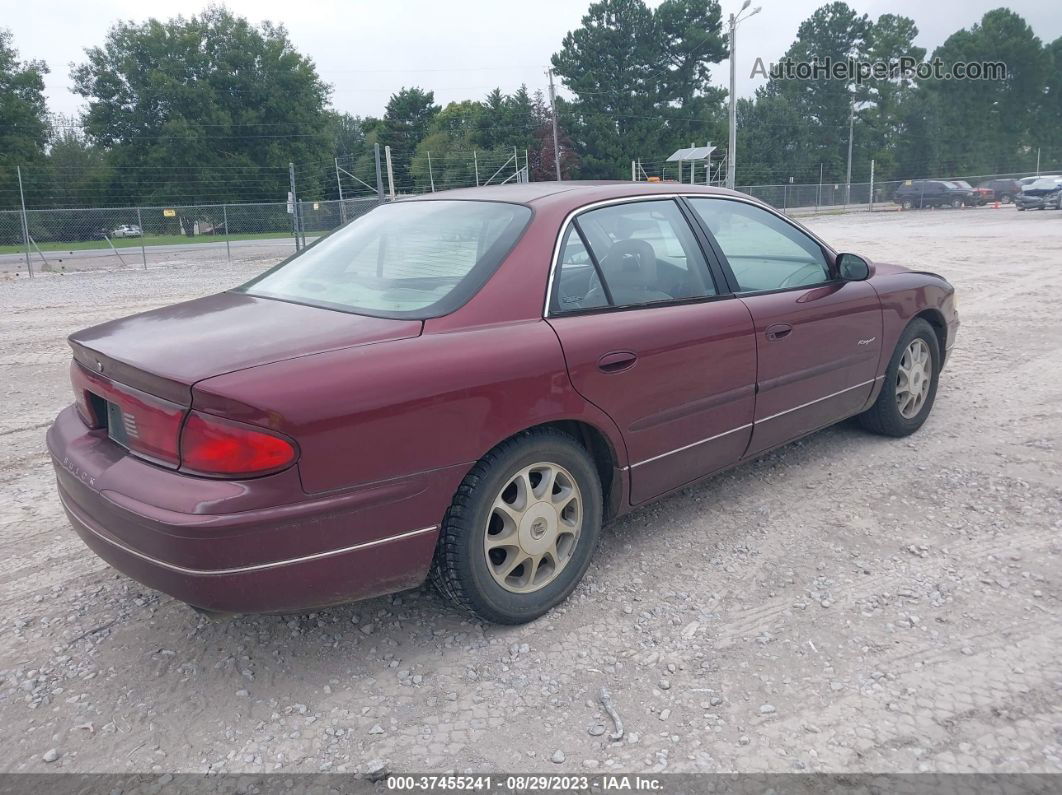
[[910, 387], [520, 532], [907, 204], [956, 204]]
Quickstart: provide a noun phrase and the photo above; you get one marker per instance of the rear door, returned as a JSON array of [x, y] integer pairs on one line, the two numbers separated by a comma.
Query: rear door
[[652, 338], [818, 338]]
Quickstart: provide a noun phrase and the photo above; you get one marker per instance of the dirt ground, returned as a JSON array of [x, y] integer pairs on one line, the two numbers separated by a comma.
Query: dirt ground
[[847, 603]]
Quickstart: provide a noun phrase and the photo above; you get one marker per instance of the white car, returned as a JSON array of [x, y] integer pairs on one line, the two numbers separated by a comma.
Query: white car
[[127, 230]]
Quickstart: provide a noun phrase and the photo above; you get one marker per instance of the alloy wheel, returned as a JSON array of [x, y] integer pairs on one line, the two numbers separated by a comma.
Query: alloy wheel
[[533, 527], [913, 378]]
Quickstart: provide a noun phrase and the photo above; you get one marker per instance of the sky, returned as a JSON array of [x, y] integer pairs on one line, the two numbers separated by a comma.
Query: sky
[[461, 49]]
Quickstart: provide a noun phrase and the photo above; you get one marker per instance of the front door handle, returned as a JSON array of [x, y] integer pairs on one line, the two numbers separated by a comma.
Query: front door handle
[[779, 331], [616, 362]]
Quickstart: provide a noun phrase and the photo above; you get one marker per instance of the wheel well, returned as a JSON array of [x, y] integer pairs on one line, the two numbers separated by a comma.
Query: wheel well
[[936, 320], [601, 453]]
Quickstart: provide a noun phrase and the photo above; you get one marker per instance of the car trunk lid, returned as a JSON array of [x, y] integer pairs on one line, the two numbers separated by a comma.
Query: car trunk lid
[[164, 352]]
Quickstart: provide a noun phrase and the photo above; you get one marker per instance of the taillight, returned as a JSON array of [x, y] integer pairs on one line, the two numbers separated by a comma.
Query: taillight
[[213, 446]]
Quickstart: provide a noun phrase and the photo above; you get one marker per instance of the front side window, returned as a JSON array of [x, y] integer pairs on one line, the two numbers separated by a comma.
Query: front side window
[[764, 252], [629, 254], [416, 259]]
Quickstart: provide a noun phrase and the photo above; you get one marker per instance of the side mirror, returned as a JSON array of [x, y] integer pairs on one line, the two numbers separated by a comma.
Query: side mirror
[[853, 268]]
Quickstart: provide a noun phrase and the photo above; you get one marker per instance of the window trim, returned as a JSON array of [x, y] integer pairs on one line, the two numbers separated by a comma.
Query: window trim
[[828, 254], [722, 290]]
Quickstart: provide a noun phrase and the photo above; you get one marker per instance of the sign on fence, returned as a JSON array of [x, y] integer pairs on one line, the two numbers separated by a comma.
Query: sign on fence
[[168, 213]]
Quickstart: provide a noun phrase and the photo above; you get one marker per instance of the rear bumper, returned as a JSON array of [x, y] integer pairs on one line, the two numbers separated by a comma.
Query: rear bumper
[[286, 557]]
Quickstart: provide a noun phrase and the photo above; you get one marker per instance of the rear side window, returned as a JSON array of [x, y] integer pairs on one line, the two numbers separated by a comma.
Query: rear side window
[[414, 260], [629, 254], [763, 251]]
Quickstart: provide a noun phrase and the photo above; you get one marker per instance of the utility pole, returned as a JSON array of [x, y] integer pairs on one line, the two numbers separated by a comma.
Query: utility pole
[[848, 178], [339, 184], [25, 223], [553, 115], [731, 154]]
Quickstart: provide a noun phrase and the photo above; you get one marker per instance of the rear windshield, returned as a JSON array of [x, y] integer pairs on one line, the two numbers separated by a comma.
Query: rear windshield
[[416, 259]]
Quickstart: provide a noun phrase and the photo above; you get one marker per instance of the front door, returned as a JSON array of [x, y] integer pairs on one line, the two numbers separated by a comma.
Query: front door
[[818, 338], [648, 339]]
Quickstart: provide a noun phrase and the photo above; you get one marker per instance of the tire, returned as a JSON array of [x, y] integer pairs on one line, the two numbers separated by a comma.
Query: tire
[[1006, 198], [472, 577], [907, 204], [956, 204], [885, 417]]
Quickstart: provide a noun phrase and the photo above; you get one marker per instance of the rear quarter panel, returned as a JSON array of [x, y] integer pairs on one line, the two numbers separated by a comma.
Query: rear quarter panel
[[377, 412]]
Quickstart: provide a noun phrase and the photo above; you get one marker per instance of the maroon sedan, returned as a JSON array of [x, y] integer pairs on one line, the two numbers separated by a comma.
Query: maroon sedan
[[466, 385]]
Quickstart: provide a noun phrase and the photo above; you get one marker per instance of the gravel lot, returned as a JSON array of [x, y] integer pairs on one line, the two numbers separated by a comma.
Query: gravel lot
[[848, 603]]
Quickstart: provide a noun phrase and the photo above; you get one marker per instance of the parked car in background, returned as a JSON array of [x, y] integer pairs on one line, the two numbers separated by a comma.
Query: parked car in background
[[1043, 193], [1003, 190], [978, 196], [392, 403], [127, 230], [931, 193]]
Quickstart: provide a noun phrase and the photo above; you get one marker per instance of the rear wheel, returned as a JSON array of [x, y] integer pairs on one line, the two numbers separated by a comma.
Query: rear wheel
[[1006, 198], [520, 532], [907, 204], [910, 387], [956, 204]]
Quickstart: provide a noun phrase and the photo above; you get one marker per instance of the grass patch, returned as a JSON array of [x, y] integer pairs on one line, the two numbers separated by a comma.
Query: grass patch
[[148, 240]]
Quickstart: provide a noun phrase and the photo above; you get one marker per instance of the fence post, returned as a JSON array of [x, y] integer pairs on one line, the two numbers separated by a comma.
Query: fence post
[[225, 220], [818, 192], [431, 177], [870, 207], [294, 205], [390, 173], [379, 174], [140, 226], [25, 223], [342, 207], [527, 164], [475, 163]]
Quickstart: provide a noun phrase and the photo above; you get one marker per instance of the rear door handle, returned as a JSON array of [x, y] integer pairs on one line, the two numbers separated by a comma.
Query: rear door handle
[[616, 362], [778, 331]]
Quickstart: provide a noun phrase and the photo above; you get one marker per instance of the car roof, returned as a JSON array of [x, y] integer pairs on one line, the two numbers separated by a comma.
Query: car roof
[[572, 194]]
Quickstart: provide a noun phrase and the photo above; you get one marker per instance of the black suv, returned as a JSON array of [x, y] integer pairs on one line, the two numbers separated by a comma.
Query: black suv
[[931, 193]]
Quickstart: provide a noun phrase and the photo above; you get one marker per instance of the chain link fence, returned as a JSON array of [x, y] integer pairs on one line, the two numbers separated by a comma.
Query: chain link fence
[[80, 239], [67, 240]]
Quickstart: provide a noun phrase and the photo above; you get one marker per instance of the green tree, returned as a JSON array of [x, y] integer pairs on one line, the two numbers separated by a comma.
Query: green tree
[[640, 80], [987, 126], [833, 33], [78, 168], [406, 121], [886, 102], [23, 123], [207, 108], [1050, 116]]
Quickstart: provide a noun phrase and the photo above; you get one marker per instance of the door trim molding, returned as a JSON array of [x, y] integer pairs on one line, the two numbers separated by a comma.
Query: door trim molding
[[751, 424], [818, 400], [689, 446]]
